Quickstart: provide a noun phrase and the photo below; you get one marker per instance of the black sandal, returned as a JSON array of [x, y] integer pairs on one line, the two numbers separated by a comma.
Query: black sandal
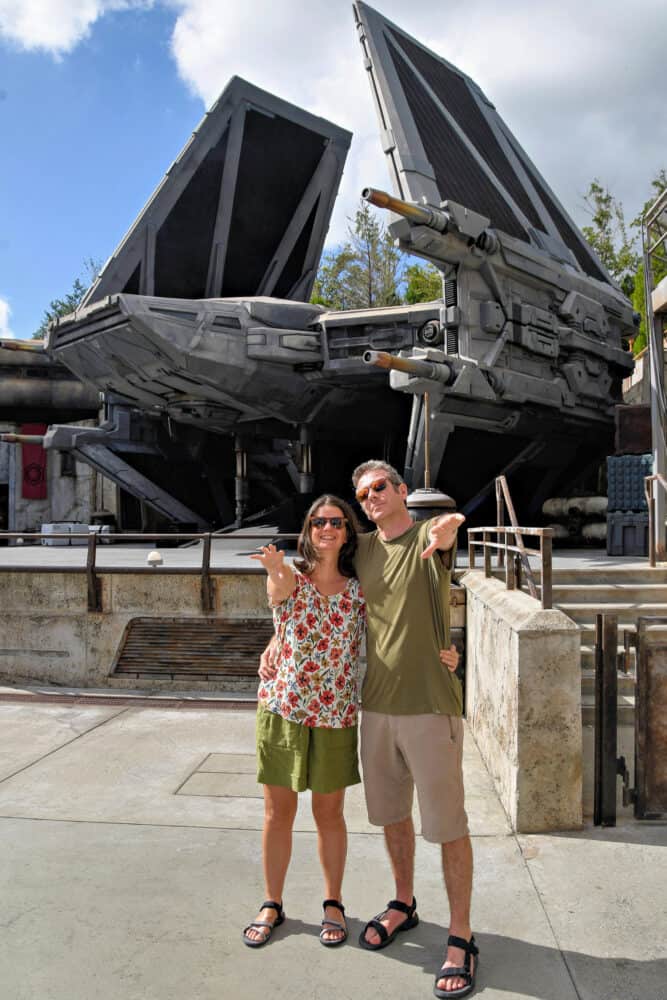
[[462, 972], [268, 904], [332, 924], [385, 937]]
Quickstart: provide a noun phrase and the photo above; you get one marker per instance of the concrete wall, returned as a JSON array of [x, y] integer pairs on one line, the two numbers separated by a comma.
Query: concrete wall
[[523, 703], [47, 635]]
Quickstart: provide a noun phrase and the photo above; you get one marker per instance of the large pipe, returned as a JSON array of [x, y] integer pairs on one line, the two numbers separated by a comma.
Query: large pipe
[[47, 393], [438, 371]]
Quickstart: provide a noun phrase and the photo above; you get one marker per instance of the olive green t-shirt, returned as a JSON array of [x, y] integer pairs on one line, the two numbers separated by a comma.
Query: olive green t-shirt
[[407, 607]]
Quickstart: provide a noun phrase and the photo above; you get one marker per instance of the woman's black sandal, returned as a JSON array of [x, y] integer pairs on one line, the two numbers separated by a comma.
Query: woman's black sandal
[[335, 925], [268, 904], [462, 972], [385, 937]]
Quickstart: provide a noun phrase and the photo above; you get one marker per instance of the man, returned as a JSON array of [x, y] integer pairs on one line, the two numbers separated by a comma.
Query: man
[[411, 730]]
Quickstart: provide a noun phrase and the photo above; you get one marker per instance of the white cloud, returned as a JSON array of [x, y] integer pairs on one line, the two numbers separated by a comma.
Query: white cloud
[[55, 26], [5, 313], [577, 83]]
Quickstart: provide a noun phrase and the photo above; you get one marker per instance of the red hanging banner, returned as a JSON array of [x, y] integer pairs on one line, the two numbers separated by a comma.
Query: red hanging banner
[[34, 485]]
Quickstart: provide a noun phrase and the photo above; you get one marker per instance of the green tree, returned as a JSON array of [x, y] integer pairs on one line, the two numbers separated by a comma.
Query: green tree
[[609, 237], [73, 298], [424, 283], [365, 271]]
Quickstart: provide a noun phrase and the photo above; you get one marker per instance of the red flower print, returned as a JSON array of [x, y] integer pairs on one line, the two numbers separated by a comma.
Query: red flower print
[[335, 652], [340, 682], [326, 628], [314, 705], [299, 607], [327, 698], [293, 699], [310, 720], [323, 645], [345, 605], [300, 631], [337, 620], [302, 678], [310, 666], [311, 620], [286, 652]]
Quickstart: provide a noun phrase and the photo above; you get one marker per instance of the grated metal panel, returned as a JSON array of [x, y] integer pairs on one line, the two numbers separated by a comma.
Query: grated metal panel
[[455, 94], [193, 646], [458, 175]]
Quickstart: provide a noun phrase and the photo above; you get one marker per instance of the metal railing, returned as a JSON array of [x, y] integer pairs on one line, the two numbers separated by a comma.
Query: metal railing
[[514, 557], [652, 505], [93, 570]]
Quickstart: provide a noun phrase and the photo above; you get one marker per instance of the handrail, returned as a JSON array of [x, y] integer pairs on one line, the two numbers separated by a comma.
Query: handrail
[[514, 566], [502, 487], [650, 502], [93, 571]]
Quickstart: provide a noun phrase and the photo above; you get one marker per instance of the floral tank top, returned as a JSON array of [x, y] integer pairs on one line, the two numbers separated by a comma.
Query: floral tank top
[[319, 639]]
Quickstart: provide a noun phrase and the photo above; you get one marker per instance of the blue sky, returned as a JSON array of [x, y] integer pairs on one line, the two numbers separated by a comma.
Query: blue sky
[[97, 97]]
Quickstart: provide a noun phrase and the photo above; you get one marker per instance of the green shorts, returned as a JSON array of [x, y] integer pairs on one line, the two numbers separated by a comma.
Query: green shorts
[[301, 757]]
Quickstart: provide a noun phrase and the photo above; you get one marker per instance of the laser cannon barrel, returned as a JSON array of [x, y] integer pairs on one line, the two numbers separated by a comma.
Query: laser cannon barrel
[[22, 439], [437, 371], [419, 215]]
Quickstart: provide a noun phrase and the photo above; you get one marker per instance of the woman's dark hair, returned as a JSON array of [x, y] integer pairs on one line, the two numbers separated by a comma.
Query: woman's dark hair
[[307, 550]]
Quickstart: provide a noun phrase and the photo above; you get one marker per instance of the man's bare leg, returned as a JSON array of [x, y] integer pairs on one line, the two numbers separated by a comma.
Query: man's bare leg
[[400, 841], [457, 870]]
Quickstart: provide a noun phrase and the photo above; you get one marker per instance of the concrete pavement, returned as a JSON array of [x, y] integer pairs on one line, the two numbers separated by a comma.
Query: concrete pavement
[[131, 859]]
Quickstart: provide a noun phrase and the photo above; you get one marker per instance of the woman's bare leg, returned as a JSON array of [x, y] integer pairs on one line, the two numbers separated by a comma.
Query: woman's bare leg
[[279, 812], [332, 848]]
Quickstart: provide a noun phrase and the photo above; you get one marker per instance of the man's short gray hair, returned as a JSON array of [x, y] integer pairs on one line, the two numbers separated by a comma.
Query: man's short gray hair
[[376, 465]]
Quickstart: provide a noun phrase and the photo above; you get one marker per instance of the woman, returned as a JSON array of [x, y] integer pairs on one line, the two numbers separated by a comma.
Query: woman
[[307, 713]]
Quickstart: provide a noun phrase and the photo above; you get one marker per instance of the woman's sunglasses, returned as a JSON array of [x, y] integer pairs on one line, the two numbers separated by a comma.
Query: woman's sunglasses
[[321, 522], [379, 486]]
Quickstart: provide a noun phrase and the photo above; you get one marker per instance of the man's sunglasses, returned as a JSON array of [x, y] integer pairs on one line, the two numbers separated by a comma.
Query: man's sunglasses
[[321, 522], [379, 486]]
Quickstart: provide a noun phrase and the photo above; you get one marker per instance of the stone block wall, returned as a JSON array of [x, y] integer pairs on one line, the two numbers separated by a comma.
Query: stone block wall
[[523, 703]]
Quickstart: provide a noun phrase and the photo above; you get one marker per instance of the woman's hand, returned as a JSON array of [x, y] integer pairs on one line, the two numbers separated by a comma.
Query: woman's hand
[[450, 658], [271, 559]]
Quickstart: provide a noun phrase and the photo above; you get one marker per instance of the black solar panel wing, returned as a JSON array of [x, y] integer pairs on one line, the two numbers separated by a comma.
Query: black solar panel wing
[[444, 140], [243, 210]]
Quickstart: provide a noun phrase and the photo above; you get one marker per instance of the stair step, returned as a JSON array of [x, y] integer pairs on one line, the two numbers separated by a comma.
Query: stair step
[[588, 656], [626, 683], [626, 710], [627, 611], [603, 593]]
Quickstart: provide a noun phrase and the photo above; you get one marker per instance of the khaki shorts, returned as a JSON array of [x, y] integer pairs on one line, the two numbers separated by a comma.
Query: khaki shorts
[[301, 757], [399, 752]]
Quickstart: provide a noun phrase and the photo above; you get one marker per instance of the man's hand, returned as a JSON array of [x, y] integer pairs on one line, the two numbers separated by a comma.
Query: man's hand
[[450, 658], [267, 661], [442, 533]]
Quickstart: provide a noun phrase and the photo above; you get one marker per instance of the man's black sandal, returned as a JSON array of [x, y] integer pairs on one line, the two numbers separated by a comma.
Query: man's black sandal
[[268, 904], [385, 937], [462, 972], [329, 925]]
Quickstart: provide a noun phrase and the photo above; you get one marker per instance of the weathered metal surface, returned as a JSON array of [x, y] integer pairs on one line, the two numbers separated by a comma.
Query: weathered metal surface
[[201, 647], [651, 720]]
